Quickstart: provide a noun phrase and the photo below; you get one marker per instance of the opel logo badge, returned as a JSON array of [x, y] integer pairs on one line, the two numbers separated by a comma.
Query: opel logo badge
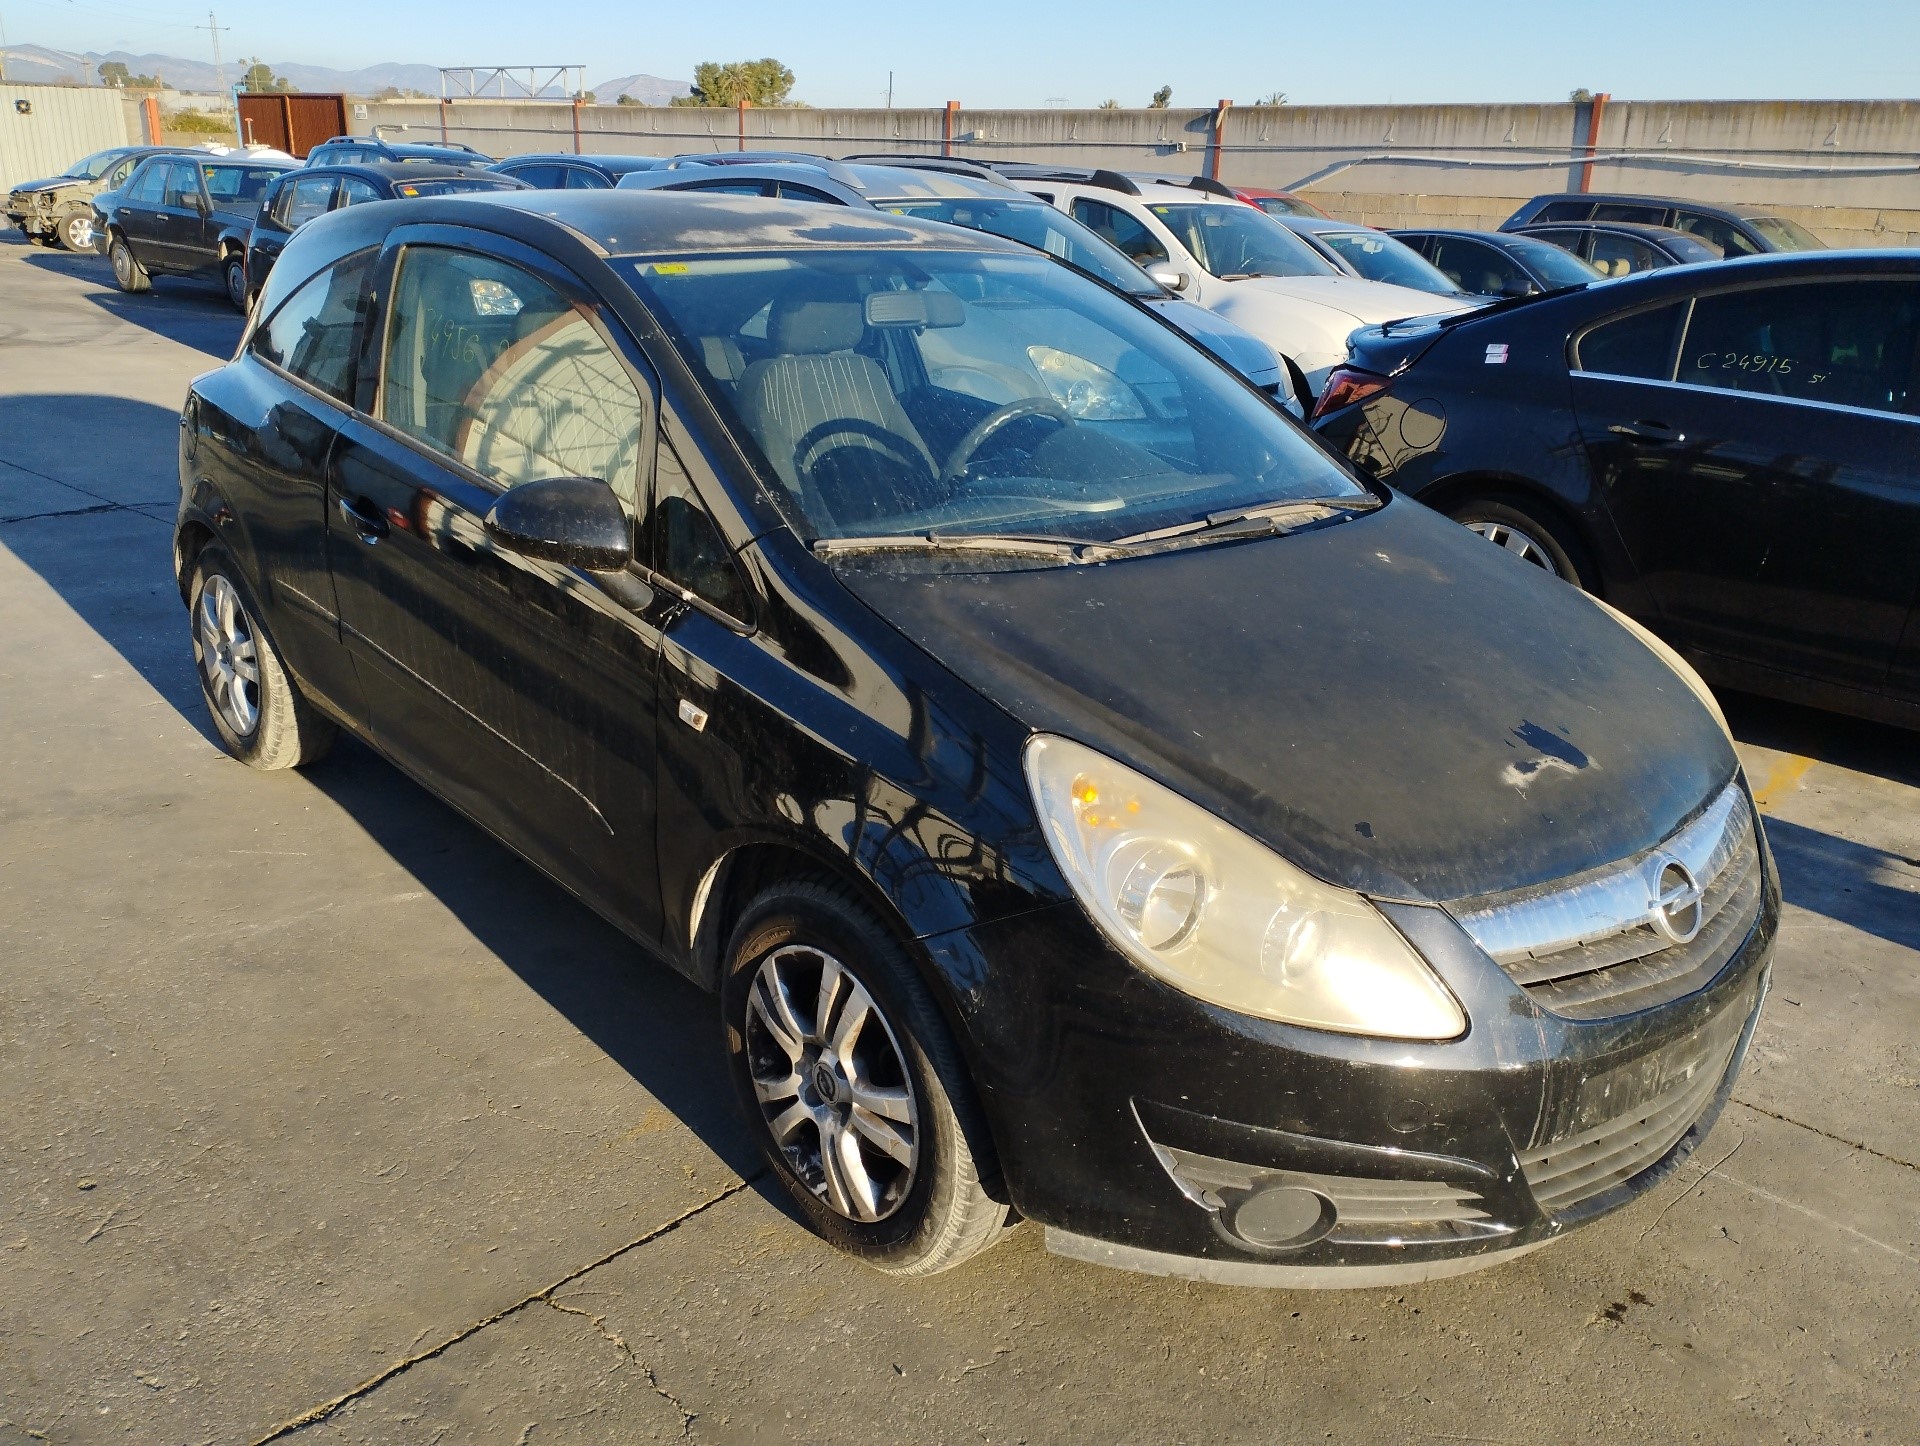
[[1676, 906], [825, 1085]]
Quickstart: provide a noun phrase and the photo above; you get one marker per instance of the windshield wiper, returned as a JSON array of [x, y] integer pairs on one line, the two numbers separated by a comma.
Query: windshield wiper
[[1007, 544], [1261, 521]]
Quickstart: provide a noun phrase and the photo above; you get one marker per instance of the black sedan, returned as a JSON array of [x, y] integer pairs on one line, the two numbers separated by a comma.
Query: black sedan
[[562, 172], [1498, 263], [1619, 248], [1070, 794], [1729, 453], [1376, 256], [185, 215], [300, 196]]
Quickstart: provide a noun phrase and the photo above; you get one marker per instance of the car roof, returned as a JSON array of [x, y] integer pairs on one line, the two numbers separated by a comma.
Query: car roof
[[1130, 183], [1613, 198], [1323, 223], [650, 223], [1493, 238], [399, 170], [600, 160], [1628, 228], [907, 183]]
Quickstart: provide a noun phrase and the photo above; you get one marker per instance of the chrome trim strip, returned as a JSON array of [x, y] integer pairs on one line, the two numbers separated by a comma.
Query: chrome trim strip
[[1610, 900], [1695, 388]]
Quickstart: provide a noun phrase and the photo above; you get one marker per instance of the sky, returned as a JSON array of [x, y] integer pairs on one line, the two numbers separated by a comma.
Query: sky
[[1015, 53]]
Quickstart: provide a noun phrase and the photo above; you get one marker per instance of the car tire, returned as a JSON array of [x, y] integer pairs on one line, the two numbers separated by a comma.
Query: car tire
[[261, 720], [128, 274], [914, 1216], [234, 272], [76, 232], [1530, 536]]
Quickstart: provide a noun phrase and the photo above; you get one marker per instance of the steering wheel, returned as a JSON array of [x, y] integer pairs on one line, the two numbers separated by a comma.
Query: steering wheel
[[977, 435]]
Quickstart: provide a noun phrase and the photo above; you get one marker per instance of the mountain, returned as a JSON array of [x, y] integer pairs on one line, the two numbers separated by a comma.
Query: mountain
[[647, 89], [39, 63]]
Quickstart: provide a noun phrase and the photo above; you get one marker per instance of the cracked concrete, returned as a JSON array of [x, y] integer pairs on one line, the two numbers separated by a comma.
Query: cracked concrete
[[312, 1093]]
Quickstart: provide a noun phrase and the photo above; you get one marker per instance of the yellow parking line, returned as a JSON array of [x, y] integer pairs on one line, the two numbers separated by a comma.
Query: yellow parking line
[[1783, 775]]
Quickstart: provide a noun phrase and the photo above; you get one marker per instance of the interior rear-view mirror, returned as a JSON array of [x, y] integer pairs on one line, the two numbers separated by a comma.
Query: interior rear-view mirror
[[1518, 286], [574, 521], [915, 309]]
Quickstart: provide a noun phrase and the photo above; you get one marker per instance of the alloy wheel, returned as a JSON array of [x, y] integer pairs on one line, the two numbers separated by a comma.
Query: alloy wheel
[[77, 232], [832, 1083], [1520, 543], [229, 657]]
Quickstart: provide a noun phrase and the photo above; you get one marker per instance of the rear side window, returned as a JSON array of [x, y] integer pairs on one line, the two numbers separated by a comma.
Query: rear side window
[[1724, 234], [1618, 211], [1851, 343], [354, 191], [1563, 211], [490, 365], [315, 333], [1640, 345], [1140, 244], [579, 178], [1621, 255], [1475, 266], [541, 178]]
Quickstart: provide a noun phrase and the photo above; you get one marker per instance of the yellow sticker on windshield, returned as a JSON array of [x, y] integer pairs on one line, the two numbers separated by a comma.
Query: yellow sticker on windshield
[[670, 268]]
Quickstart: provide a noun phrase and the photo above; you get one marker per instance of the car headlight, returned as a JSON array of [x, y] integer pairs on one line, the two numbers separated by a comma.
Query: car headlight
[[1198, 904]]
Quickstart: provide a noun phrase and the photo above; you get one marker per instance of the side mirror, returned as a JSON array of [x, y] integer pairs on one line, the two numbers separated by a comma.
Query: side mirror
[[1171, 277], [574, 521], [1518, 286]]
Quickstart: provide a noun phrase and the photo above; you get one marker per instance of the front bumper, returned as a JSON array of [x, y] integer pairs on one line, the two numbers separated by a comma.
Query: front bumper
[[1149, 1131]]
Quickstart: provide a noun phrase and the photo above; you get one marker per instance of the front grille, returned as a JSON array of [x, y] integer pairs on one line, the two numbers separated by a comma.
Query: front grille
[[1565, 1172], [1589, 947]]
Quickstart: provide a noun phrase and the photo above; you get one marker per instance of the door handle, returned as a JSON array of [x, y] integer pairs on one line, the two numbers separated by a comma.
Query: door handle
[[369, 525], [1658, 434]]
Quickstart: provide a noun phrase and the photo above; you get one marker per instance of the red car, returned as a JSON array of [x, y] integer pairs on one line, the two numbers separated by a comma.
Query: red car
[[1278, 203]]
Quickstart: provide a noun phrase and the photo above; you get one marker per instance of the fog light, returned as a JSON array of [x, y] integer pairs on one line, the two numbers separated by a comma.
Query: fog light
[[1283, 1216]]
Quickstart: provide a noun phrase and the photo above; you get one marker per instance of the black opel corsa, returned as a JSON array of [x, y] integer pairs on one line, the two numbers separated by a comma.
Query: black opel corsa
[[1087, 799]]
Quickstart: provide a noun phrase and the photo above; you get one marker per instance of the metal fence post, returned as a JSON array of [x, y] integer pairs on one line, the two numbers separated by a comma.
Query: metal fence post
[[1595, 109], [1218, 139], [951, 115]]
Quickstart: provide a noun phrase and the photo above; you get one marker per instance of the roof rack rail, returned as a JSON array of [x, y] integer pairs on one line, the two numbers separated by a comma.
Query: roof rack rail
[[1193, 183], [922, 161], [1080, 175]]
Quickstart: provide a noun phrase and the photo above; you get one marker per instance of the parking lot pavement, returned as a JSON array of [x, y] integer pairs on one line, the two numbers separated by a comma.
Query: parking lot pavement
[[321, 1115]]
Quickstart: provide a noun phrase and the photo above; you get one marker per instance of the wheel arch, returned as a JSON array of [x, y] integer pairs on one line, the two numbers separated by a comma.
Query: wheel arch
[[189, 541], [1528, 496]]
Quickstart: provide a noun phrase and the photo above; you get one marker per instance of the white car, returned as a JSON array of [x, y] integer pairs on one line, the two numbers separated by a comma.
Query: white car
[[1212, 248]]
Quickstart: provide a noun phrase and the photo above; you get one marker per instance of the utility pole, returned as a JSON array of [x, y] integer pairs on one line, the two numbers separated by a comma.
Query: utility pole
[[213, 27], [889, 90], [3, 47]]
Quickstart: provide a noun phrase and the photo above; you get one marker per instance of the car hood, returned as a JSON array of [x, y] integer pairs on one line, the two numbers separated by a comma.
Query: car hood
[[1234, 345], [1367, 302], [1387, 701], [47, 183]]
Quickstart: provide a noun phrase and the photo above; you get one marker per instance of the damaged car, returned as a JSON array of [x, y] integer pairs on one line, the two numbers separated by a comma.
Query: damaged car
[[1090, 801], [58, 210]]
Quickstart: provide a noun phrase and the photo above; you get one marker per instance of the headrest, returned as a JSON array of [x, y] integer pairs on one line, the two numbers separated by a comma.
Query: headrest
[[809, 328]]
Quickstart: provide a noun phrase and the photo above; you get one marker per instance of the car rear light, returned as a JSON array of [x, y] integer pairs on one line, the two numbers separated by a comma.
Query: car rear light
[[1345, 386]]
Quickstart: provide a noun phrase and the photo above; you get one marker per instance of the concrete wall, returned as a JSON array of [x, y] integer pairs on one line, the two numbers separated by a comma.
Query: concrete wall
[[1850, 171], [61, 124]]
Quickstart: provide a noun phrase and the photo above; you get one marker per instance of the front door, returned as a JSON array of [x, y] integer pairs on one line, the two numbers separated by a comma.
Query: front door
[[139, 212], [179, 237], [522, 691], [1762, 468]]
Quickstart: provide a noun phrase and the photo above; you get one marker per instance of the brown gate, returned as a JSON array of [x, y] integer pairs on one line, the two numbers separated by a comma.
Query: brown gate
[[293, 122]]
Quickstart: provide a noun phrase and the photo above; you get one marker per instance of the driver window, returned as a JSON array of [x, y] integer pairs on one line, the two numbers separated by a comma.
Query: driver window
[[493, 367], [150, 185], [1476, 266], [183, 187]]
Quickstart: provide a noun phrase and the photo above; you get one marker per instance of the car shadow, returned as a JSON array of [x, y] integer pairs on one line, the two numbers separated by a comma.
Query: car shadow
[[112, 566], [185, 310]]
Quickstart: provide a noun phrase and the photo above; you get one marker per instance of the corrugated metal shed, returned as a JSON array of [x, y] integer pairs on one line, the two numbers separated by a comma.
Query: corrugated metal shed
[[46, 128]]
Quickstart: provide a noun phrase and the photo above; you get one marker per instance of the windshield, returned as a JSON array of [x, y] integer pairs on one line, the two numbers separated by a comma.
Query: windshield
[[1379, 257], [1237, 241], [93, 167], [895, 393], [1036, 224], [1785, 235], [1555, 268]]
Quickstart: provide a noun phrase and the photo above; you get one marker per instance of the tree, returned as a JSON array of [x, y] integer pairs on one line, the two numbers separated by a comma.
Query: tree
[[1278, 97], [626, 99], [113, 75], [587, 97], [1162, 98], [1109, 105], [1581, 96], [258, 77], [757, 82], [394, 92]]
